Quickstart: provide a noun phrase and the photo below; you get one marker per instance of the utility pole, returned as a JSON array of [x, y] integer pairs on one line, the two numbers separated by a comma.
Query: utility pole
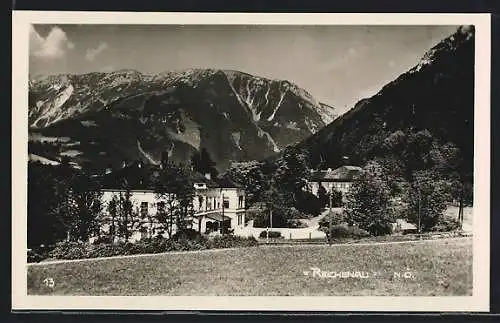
[[331, 199], [222, 221], [331, 218], [271, 218], [330, 230], [419, 220], [461, 208]]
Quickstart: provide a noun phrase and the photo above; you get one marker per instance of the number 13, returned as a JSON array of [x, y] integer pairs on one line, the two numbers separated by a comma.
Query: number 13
[[49, 282]]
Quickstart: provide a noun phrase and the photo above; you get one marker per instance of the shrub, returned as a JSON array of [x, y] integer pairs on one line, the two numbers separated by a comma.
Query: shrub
[[187, 234], [296, 223], [335, 217], [446, 224], [230, 242], [103, 239], [69, 250], [33, 256], [39, 253], [80, 250], [270, 234]]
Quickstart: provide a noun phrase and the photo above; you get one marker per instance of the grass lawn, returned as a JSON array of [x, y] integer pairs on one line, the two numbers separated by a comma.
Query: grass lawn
[[440, 267]]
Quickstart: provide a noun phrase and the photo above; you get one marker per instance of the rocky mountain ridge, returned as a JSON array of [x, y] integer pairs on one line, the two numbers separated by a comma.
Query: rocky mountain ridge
[[109, 117]]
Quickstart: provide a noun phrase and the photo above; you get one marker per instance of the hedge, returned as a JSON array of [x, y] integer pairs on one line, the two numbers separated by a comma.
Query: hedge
[[270, 234], [82, 250], [345, 231]]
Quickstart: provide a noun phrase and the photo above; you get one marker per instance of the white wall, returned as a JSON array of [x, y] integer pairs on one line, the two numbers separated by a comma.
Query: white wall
[[236, 209], [211, 201], [339, 186]]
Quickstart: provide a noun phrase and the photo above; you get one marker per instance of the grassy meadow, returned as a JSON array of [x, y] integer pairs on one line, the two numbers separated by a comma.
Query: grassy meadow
[[438, 267]]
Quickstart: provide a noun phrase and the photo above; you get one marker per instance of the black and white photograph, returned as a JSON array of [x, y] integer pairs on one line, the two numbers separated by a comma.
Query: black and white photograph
[[229, 159]]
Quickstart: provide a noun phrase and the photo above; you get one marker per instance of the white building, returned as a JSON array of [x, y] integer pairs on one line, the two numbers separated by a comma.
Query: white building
[[218, 204]]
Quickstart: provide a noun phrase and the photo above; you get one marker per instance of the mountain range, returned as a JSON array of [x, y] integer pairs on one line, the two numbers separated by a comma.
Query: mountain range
[[103, 119]]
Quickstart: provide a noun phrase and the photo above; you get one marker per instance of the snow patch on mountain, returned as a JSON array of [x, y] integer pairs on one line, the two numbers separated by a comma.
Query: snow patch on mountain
[[43, 160], [146, 155], [269, 138], [271, 117], [51, 109]]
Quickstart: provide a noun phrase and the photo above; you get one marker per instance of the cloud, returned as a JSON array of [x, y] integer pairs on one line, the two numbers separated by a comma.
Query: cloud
[[93, 52], [55, 45]]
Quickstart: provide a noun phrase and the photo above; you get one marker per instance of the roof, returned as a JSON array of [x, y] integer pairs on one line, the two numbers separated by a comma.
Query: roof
[[199, 178], [227, 182], [345, 173], [217, 216], [136, 176]]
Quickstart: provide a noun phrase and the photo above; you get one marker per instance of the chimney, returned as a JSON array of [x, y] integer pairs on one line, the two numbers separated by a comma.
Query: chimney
[[208, 176], [164, 160]]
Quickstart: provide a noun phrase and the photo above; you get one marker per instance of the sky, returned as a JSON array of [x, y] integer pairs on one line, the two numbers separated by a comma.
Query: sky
[[338, 65]]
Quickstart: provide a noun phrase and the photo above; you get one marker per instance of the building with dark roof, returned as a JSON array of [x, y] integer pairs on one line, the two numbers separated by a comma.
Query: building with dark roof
[[339, 179], [218, 203]]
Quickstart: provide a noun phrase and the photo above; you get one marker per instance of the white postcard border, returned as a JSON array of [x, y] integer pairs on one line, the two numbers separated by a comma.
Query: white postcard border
[[479, 302]]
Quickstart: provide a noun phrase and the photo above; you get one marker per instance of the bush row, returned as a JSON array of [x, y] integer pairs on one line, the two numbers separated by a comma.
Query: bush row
[[82, 250], [340, 231], [270, 234]]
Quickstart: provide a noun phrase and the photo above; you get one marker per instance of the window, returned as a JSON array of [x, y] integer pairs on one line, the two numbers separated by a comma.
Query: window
[[160, 207], [144, 209], [240, 218], [200, 185], [226, 202], [240, 202], [200, 201]]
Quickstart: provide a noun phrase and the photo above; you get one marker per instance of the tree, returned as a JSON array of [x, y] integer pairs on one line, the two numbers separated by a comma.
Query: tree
[[336, 198], [323, 196], [43, 223], [448, 160], [308, 203], [113, 213], [203, 163], [125, 216], [87, 196], [291, 174], [66, 207], [368, 203], [426, 200], [252, 177], [274, 209], [329, 221], [175, 191]]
